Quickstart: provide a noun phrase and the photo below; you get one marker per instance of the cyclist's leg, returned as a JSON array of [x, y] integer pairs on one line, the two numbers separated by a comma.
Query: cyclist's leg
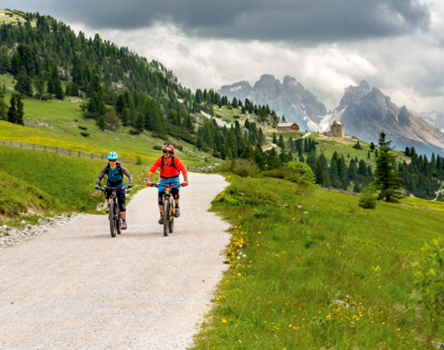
[[175, 193], [122, 200], [107, 194]]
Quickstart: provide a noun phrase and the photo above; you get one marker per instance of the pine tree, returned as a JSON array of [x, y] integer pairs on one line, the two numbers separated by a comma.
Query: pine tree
[[4, 64], [259, 156], [3, 107], [20, 110], [319, 173], [39, 84], [12, 110], [386, 181], [77, 70], [24, 83], [101, 123]]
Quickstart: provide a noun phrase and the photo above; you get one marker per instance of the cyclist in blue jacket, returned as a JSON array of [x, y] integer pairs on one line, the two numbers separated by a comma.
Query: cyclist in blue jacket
[[115, 173]]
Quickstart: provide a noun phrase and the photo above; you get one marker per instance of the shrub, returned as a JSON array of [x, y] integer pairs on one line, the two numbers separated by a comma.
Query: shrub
[[135, 131], [244, 167], [84, 133], [224, 167], [428, 275], [179, 147], [82, 127], [357, 145], [302, 175], [139, 160], [367, 198], [157, 147]]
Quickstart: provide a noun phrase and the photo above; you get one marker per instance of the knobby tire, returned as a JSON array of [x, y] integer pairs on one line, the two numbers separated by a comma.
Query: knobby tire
[[118, 220], [112, 223], [165, 217], [171, 221]]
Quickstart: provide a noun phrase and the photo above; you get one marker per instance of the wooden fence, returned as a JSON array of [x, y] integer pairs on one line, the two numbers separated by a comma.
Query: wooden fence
[[55, 150]]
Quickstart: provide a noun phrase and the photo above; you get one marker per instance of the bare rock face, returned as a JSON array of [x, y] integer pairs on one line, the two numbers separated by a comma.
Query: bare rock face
[[366, 112], [288, 98]]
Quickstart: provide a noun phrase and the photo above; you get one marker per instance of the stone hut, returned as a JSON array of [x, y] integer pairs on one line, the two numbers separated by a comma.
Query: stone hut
[[336, 130], [287, 127]]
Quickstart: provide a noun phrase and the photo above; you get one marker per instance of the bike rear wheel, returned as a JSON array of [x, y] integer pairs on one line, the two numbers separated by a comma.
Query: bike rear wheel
[[112, 223], [165, 217]]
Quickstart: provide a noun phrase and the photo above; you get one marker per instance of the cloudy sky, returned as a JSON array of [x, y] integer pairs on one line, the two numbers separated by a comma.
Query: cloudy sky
[[327, 45]]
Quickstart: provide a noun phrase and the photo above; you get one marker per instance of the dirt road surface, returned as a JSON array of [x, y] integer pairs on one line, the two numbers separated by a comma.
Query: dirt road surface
[[78, 288]]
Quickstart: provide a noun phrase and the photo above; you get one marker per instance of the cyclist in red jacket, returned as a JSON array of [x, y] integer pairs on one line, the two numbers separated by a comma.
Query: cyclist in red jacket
[[170, 168]]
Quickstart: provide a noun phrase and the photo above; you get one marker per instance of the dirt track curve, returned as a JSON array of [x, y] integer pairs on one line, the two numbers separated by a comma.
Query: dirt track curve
[[78, 288]]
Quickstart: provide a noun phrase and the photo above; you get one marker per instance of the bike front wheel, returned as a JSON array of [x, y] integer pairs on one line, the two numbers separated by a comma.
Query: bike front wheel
[[165, 217], [171, 218], [118, 219], [112, 223]]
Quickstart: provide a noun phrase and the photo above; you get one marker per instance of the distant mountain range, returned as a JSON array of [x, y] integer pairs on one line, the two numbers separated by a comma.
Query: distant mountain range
[[363, 111]]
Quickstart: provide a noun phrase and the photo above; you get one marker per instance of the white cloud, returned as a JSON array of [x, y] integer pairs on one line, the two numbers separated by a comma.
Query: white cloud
[[408, 68]]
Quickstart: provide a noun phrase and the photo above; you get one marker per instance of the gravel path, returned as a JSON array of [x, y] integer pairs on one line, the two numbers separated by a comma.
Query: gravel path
[[75, 287]]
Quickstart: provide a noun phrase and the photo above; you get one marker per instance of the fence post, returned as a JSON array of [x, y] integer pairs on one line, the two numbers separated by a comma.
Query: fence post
[[79, 154], [33, 146], [91, 156], [21, 145], [44, 148], [69, 153]]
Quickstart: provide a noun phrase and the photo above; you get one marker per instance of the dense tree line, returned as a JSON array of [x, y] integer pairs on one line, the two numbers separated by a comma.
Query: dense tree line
[[421, 177]]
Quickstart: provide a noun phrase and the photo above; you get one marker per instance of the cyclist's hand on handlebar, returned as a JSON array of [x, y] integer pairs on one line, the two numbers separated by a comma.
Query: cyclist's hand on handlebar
[[185, 183], [130, 186], [149, 183], [97, 187]]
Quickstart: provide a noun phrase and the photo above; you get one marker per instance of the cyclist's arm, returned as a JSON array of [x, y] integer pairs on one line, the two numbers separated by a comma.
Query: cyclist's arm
[[128, 175], [100, 177], [182, 168], [153, 169]]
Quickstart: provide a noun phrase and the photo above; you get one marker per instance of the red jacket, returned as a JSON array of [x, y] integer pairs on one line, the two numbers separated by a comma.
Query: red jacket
[[168, 171]]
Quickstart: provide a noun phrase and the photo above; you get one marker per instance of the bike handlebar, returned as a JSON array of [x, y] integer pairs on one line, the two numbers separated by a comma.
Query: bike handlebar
[[169, 185], [113, 188]]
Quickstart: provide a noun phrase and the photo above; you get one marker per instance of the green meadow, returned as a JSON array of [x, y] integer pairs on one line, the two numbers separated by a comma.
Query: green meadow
[[41, 183], [326, 275]]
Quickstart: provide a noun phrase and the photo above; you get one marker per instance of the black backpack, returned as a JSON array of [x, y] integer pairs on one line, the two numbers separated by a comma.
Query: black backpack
[[172, 162], [119, 168]]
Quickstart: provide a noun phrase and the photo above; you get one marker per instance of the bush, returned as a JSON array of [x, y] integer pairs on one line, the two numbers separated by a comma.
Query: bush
[[429, 277], [244, 167], [302, 175], [82, 127], [179, 147], [139, 160], [84, 133], [367, 198], [157, 147], [135, 131]]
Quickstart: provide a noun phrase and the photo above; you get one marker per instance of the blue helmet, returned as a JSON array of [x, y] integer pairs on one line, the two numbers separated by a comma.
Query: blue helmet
[[113, 155]]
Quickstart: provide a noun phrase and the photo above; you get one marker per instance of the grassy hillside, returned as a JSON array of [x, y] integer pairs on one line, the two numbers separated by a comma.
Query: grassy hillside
[[329, 275], [56, 123], [36, 182]]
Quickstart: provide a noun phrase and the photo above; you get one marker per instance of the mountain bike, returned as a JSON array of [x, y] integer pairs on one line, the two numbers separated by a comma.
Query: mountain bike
[[168, 208], [115, 217]]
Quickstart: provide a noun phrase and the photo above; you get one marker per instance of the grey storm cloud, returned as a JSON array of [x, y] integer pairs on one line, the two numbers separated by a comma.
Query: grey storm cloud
[[265, 20]]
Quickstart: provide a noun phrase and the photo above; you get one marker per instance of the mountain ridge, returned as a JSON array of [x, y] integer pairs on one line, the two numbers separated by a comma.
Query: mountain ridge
[[364, 111]]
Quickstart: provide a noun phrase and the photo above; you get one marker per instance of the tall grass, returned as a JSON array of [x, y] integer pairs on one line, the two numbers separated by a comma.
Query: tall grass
[[327, 275]]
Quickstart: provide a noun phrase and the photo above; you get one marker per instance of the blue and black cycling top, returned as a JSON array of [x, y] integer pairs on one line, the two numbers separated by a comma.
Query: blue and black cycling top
[[115, 179]]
